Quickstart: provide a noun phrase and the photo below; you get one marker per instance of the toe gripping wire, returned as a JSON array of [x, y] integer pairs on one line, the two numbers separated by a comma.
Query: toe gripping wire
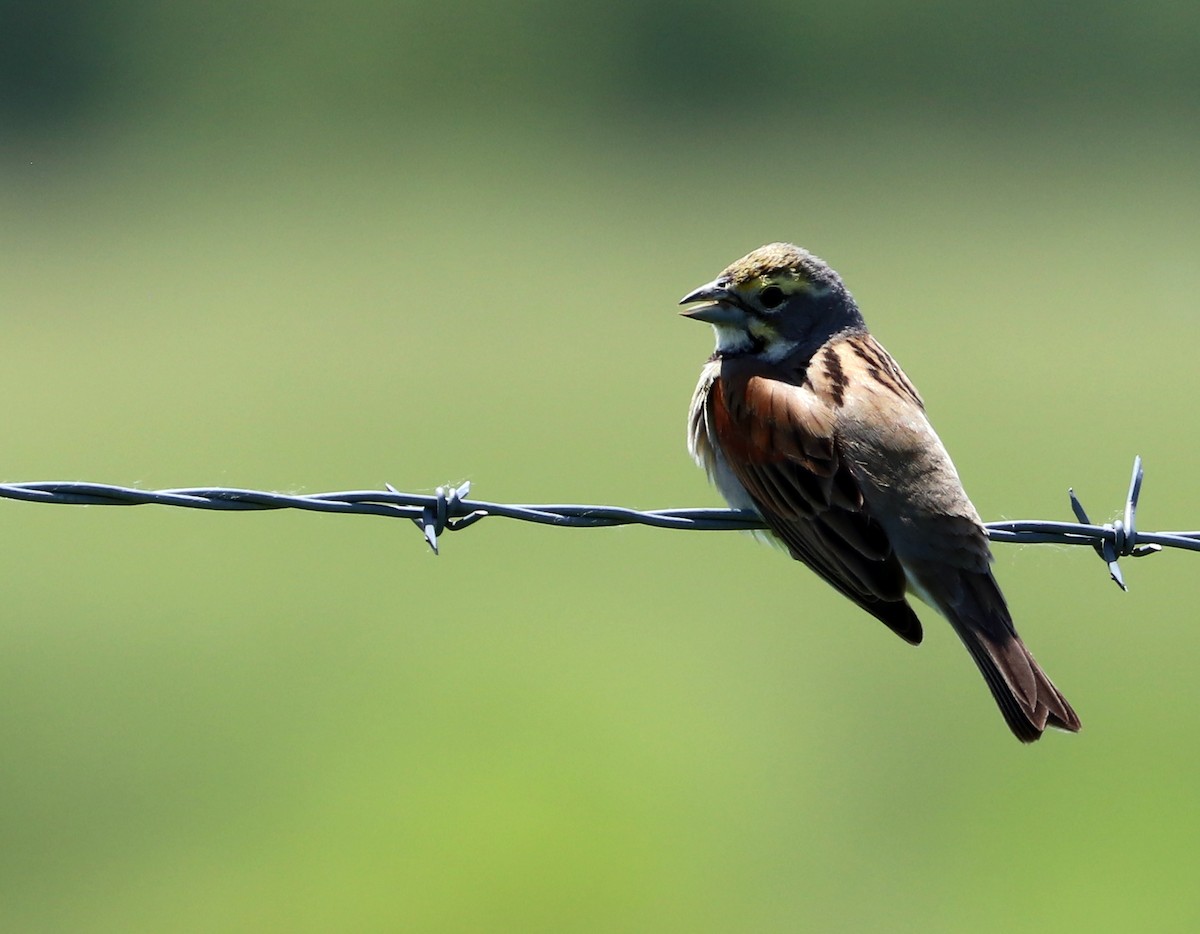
[[1121, 537]]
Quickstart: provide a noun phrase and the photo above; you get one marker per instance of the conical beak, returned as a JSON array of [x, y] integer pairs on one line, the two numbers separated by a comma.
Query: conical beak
[[720, 310]]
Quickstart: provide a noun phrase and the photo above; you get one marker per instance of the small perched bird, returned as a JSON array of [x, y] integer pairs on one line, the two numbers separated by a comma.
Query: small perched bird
[[803, 417]]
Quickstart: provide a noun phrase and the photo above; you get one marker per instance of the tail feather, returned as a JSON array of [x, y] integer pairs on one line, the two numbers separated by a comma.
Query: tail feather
[[1024, 693]]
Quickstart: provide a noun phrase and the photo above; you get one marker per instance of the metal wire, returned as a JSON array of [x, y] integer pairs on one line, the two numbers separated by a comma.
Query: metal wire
[[448, 509]]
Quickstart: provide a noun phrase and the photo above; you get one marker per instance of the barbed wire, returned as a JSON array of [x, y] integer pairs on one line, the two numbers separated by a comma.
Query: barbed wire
[[449, 509]]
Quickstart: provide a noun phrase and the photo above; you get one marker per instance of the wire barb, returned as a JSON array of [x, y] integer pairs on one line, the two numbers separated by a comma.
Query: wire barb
[[436, 517], [1122, 542], [449, 509]]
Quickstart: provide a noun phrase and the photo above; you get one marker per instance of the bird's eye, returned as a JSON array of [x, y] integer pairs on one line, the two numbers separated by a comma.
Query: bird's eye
[[771, 296]]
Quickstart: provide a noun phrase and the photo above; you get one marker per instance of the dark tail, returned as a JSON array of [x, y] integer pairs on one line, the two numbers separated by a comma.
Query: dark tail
[[1028, 699], [1025, 695]]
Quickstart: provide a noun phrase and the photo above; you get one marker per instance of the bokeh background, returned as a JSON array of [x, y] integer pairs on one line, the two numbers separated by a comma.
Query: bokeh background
[[305, 247]]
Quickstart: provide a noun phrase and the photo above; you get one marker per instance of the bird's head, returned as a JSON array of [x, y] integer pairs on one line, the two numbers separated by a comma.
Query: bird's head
[[773, 302]]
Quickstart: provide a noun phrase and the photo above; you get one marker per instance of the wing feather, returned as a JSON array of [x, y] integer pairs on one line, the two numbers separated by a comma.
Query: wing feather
[[779, 440]]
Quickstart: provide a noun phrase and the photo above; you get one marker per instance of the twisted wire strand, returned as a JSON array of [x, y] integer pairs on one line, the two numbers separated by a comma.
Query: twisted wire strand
[[449, 509]]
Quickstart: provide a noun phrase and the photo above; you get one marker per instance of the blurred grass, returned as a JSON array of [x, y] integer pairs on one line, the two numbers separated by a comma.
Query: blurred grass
[[293, 722]]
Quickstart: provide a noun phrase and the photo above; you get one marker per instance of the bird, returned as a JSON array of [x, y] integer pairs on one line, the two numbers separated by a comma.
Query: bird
[[802, 416]]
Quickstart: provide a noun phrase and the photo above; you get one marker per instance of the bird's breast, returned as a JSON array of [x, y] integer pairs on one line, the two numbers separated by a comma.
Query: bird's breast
[[704, 443]]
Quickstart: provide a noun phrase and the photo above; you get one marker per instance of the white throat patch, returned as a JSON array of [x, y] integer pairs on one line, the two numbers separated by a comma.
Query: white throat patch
[[731, 339]]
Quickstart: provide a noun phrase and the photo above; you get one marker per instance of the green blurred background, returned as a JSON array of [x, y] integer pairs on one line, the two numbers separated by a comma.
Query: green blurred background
[[305, 247]]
